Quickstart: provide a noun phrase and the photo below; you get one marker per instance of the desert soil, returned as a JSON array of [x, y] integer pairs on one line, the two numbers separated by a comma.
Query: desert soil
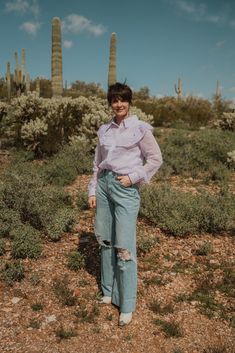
[[169, 270]]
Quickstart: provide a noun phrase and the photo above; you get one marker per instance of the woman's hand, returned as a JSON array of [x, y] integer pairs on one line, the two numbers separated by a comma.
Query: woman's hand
[[92, 201], [124, 180]]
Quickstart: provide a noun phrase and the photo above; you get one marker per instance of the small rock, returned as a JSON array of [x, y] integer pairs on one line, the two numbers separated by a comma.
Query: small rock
[[50, 318], [15, 300]]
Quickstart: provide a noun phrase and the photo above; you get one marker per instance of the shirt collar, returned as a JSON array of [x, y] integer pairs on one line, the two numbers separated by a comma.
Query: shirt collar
[[127, 122]]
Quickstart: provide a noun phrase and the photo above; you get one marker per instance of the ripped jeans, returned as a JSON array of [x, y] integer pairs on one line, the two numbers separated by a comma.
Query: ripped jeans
[[115, 228]]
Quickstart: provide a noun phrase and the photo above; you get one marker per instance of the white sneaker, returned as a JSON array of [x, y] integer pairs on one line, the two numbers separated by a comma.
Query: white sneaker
[[106, 300], [125, 319]]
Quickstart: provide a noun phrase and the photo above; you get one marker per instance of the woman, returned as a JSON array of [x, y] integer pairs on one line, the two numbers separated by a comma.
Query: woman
[[127, 155]]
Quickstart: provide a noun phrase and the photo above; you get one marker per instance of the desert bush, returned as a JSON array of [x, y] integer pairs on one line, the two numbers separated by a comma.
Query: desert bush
[[27, 197], [181, 213], [61, 222], [9, 219], [231, 159], [225, 122], [81, 199], [26, 242], [63, 292], [2, 247], [13, 272], [44, 125], [76, 260], [167, 111], [193, 152], [73, 159]]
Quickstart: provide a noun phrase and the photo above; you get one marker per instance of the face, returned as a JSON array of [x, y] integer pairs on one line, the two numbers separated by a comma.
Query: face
[[120, 108]]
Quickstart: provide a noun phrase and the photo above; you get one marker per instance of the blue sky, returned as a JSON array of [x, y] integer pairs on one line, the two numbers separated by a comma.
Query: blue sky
[[157, 41]]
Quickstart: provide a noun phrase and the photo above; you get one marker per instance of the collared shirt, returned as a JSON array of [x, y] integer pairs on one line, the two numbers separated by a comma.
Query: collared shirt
[[127, 149]]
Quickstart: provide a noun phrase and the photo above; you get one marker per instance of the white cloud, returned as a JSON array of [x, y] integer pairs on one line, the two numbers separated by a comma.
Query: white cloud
[[220, 44], [23, 6], [196, 11], [67, 44], [30, 27], [76, 24]]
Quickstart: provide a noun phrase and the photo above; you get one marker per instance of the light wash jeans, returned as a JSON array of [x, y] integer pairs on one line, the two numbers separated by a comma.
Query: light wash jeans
[[115, 228]]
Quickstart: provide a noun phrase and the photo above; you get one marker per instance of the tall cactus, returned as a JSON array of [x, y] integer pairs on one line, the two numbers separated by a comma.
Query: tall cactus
[[22, 75], [178, 89], [8, 79], [27, 83], [56, 59], [18, 77], [38, 86], [112, 78], [217, 91]]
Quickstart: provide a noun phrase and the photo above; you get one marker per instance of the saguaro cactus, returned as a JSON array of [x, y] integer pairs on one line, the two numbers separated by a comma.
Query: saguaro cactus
[[38, 86], [217, 91], [8, 79], [22, 77], [178, 89], [56, 59], [27, 84], [112, 78], [19, 78]]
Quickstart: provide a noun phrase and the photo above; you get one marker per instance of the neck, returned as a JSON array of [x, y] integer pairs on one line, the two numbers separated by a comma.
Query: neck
[[118, 120]]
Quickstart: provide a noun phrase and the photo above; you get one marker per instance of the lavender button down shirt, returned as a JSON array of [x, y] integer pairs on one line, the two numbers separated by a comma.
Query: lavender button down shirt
[[128, 149]]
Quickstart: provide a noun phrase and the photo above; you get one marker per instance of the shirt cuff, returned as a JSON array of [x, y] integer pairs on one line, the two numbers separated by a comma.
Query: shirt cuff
[[135, 178], [91, 191]]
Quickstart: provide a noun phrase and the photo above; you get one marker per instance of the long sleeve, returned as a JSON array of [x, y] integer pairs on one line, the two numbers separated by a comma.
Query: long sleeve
[[153, 159], [96, 162]]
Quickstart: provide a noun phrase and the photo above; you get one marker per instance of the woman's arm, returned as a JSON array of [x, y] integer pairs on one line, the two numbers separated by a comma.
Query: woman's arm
[[153, 159], [93, 182]]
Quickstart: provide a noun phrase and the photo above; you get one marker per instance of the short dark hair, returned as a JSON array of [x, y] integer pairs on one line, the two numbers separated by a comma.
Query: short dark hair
[[119, 91]]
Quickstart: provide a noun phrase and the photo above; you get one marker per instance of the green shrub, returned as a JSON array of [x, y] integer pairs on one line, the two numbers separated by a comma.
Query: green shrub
[[72, 160], [26, 242], [192, 152], [13, 272], [205, 249], [183, 213], [2, 247], [167, 111], [171, 328], [62, 333], [9, 219], [44, 207], [62, 291], [60, 223], [76, 260], [81, 200], [37, 307]]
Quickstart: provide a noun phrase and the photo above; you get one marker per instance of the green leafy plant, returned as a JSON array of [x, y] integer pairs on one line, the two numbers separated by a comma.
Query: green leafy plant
[[37, 307], [87, 315], [76, 260], [182, 213], [2, 247], [205, 249], [62, 291], [26, 242], [171, 328], [13, 272], [62, 333]]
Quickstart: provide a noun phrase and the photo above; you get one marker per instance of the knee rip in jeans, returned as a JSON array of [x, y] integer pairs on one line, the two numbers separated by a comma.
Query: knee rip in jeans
[[124, 255], [104, 243]]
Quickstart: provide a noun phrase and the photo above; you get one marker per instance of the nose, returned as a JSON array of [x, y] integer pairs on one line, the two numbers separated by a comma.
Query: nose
[[119, 103]]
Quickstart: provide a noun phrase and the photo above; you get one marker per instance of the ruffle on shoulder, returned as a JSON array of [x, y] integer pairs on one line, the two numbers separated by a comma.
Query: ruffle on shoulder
[[128, 138]]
